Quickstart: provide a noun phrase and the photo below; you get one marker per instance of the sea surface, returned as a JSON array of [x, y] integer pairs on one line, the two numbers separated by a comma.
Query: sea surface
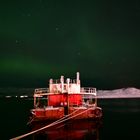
[[121, 121]]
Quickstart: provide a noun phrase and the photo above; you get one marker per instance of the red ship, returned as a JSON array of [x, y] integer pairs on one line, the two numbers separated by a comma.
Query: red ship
[[65, 98]]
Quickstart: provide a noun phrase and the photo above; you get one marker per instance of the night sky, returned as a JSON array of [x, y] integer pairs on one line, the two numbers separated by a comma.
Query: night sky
[[42, 39]]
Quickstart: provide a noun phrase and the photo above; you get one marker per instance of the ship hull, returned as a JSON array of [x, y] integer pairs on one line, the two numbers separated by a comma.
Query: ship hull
[[74, 113]]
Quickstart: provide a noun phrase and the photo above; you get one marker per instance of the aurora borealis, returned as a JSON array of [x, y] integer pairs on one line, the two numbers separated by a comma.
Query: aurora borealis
[[42, 39]]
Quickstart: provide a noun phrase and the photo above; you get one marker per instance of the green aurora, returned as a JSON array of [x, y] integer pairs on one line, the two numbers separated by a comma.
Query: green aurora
[[42, 39]]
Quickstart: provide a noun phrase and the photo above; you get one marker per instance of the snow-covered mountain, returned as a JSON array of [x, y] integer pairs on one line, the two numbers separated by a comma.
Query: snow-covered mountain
[[119, 93]]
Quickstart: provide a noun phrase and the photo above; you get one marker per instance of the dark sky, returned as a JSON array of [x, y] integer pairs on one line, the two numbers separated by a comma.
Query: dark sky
[[42, 39]]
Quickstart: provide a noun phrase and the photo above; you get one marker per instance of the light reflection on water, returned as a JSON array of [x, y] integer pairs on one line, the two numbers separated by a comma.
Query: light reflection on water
[[71, 130]]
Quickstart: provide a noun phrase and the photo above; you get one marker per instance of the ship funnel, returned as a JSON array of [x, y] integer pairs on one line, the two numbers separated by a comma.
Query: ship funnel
[[62, 79], [62, 83], [78, 78], [68, 83], [51, 81]]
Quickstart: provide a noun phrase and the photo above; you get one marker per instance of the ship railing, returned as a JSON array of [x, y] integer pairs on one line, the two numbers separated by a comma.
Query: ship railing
[[88, 93], [41, 90], [57, 81], [88, 90]]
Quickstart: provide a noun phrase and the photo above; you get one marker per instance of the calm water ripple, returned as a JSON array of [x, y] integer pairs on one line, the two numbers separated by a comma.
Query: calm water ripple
[[120, 121]]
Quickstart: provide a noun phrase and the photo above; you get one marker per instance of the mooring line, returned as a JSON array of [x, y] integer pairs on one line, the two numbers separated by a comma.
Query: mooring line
[[30, 121], [52, 124]]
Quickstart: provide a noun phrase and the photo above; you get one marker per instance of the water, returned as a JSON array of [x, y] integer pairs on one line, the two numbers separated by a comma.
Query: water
[[121, 120]]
